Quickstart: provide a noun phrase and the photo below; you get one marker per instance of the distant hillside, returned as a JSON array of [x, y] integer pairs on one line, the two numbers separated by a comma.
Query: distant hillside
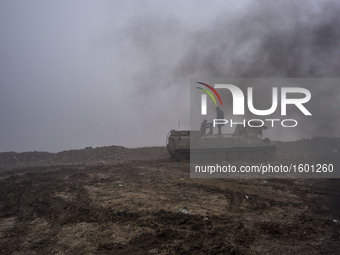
[[107, 154], [317, 148]]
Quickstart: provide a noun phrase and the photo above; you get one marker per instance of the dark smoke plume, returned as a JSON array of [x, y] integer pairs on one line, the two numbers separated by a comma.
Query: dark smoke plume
[[266, 39]]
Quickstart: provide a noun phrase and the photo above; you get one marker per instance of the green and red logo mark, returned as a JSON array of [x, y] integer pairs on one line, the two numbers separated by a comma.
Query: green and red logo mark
[[209, 93]]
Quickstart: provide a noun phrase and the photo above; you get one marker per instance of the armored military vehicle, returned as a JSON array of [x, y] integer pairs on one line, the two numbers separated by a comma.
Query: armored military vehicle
[[245, 143]]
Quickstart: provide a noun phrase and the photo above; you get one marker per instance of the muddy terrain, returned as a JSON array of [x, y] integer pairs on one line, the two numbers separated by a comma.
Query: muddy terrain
[[113, 200]]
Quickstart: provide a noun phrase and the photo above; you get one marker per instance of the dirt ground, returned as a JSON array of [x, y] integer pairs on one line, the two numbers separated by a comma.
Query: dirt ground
[[133, 207]]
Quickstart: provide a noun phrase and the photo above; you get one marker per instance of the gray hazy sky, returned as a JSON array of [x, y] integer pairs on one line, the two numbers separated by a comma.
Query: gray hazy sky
[[94, 73]]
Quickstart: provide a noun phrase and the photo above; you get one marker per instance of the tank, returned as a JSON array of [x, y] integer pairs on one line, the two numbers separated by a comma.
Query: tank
[[244, 143]]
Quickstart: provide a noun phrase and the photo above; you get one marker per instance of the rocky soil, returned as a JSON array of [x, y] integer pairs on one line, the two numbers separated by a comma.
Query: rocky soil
[[114, 200]]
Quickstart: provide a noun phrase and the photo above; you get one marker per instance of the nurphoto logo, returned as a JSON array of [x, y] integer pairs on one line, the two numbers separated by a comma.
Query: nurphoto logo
[[239, 103]]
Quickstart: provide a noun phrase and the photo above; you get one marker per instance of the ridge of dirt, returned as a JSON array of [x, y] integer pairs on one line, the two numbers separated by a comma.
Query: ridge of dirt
[[304, 149], [89, 155]]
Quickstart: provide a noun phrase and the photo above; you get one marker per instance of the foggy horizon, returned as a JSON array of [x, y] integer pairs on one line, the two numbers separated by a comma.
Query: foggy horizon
[[91, 74]]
